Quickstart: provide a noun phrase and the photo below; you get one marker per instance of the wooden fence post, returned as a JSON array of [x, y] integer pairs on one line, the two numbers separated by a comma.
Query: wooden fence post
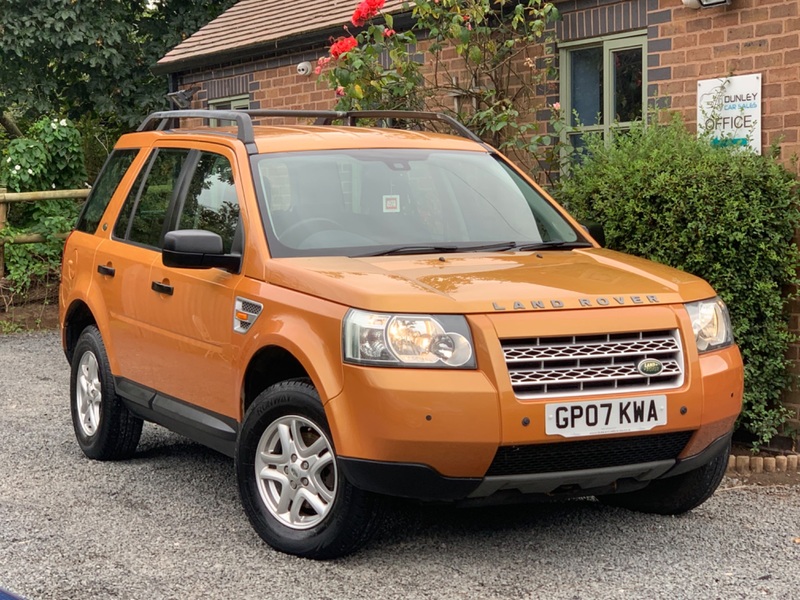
[[3, 209], [6, 199]]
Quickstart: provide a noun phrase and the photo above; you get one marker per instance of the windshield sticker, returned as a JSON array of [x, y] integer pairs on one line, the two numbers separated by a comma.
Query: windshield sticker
[[391, 204]]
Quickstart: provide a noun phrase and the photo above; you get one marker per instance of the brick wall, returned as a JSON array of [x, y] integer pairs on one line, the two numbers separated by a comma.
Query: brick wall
[[271, 83], [593, 18], [749, 36]]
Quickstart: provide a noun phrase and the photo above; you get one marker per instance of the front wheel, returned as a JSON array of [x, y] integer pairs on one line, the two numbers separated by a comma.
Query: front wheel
[[291, 487], [675, 495]]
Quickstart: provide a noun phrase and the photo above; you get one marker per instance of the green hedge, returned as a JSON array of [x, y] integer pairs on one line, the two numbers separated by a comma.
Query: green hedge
[[726, 215]]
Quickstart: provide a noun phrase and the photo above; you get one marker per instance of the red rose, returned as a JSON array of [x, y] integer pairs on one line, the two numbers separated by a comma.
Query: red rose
[[342, 46], [365, 11]]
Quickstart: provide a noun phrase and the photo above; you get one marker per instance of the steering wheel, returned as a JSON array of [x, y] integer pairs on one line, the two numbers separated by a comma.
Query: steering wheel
[[294, 234]]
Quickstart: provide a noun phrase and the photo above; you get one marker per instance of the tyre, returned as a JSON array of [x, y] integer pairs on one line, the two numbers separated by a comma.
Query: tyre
[[104, 427], [291, 488], [675, 495]]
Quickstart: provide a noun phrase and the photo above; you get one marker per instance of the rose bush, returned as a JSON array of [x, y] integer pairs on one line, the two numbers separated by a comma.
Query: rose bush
[[493, 89], [373, 69]]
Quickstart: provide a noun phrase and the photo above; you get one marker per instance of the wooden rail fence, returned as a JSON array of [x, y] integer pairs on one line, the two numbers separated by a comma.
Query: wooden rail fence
[[9, 198]]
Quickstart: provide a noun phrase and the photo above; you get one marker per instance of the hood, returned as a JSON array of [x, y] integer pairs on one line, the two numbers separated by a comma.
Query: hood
[[489, 282]]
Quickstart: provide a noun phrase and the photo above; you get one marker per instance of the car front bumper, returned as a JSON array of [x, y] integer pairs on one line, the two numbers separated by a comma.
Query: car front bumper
[[421, 482]]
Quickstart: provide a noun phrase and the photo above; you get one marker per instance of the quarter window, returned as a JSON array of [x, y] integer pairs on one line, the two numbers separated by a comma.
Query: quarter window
[[113, 171]]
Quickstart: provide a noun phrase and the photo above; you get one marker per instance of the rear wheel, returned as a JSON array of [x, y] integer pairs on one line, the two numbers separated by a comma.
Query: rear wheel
[[104, 428], [292, 490], [675, 495]]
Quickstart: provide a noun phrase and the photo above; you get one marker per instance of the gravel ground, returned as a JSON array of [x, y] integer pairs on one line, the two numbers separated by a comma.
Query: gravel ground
[[168, 524]]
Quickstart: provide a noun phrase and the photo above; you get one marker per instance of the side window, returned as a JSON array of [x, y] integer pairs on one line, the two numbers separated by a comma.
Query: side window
[[211, 203], [144, 213], [112, 173]]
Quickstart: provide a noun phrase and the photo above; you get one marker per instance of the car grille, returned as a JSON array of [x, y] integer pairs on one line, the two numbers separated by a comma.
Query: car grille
[[592, 364], [590, 454]]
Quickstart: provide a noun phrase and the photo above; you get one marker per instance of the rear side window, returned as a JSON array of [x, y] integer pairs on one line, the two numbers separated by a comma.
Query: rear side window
[[144, 215], [112, 173]]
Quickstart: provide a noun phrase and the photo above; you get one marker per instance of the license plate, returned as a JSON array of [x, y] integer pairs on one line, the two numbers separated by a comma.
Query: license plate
[[576, 419]]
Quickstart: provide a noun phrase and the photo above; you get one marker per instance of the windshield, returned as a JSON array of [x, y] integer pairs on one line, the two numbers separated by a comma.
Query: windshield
[[382, 201]]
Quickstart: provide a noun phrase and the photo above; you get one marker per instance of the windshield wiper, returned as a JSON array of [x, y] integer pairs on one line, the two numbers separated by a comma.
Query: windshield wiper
[[496, 246], [550, 245], [411, 249], [422, 249]]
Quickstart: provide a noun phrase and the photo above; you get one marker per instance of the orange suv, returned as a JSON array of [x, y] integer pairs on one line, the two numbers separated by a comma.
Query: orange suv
[[354, 312]]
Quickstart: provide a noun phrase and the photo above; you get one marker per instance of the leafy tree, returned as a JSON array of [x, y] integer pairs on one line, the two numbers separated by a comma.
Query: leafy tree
[[93, 57], [49, 156]]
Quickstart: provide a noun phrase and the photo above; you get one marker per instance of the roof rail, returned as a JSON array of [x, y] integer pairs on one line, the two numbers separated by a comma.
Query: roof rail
[[160, 121], [352, 116]]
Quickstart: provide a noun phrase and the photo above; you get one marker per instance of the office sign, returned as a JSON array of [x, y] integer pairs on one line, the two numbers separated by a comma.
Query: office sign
[[729, 109]]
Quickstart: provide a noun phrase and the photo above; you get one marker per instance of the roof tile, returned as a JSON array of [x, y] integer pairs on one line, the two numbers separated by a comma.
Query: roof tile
[[253, 23]]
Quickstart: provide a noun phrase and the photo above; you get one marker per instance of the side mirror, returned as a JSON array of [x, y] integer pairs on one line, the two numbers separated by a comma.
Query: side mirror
[[596, 231], [197, 249]]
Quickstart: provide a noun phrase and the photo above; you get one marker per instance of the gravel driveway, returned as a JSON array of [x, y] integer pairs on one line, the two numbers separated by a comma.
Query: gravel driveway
[[168, 524]]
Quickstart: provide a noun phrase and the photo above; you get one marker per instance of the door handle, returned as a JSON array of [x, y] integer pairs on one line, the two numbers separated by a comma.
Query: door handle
[[106, 270], [162, 288]]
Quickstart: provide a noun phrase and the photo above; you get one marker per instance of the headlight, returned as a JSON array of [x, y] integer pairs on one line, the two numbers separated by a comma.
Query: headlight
[[711, 324], [407, 340]]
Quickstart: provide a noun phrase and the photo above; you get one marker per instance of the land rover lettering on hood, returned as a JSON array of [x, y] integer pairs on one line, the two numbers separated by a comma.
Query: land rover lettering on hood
[[364, 307]]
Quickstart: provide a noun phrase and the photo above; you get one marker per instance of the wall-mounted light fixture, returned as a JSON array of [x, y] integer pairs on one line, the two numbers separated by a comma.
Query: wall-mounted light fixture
[[705, 3]]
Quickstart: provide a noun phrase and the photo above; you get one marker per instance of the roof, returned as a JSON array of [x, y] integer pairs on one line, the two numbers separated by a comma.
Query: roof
[[253, 26]]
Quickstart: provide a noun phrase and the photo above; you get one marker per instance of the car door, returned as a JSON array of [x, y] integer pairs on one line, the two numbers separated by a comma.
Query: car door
[[124, 262], [80, 271], [188, 314]]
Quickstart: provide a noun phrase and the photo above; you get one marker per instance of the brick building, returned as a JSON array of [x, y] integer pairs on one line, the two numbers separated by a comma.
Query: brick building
[[614, 57], [609, 51]]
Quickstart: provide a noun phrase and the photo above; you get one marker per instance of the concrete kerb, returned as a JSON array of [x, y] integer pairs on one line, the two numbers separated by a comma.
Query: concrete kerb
[[744, 465]]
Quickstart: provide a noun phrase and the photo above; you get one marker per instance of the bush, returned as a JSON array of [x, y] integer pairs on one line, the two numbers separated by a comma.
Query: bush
[[726, 215], [49, 157]]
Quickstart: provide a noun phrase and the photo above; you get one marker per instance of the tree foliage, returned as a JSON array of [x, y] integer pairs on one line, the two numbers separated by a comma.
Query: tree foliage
[[49, 156], [65, 66], [91, 57]]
